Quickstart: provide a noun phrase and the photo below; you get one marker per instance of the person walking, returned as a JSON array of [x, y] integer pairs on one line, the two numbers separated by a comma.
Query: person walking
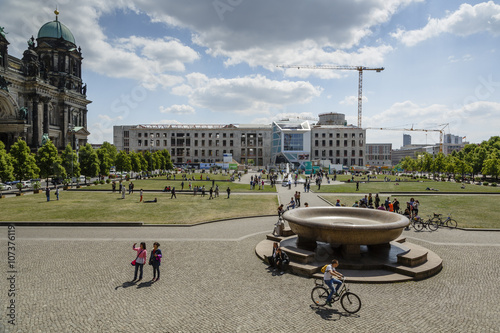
[[357, 186], [140, 260], [57, 193], [123, 192], [182, 186], [211, 191], [155, 261], [228, 192], [47, 193], [173, 193], [216, 191], [141, 193]]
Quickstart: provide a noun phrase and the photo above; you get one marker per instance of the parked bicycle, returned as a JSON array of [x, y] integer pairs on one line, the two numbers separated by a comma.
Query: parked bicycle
[[419, 224], [448, 222], [350, 302]]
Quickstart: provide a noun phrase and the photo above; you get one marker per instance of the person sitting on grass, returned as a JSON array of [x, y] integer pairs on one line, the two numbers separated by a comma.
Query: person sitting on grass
[[151, 201]]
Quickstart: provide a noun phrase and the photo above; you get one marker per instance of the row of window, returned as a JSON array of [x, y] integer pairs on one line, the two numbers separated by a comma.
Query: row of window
[[337, 153], [337, 143], [330, 135], [196, 135]]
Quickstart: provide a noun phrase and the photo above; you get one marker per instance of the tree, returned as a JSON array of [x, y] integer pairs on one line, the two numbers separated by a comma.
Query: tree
[[112, 152], [149, 160], [408, 164], [49, 162], [491, 166], [105, 160], [23, 161], [6, 168], [135, 161], [168, 160], [144, 163], [123, 162], [70, 161], [89, 162], [439, 163]]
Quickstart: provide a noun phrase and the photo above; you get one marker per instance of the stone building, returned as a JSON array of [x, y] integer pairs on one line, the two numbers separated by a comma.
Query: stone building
[[293, 141], [198, 143], [42, 95]]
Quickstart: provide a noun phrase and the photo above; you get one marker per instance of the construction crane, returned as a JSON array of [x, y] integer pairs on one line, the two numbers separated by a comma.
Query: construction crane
[[360, 69], [441, 132]]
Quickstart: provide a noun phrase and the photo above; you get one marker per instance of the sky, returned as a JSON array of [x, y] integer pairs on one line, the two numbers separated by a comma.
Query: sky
[[215, 62]]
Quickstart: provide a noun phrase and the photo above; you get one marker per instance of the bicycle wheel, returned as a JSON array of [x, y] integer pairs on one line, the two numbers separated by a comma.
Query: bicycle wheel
[[319, 295], [350, 302], [433, 225], [451, 223], [438, 222], [419, 225]]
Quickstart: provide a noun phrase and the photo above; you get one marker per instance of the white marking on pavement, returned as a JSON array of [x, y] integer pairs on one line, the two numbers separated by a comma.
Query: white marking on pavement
[[455, 244]]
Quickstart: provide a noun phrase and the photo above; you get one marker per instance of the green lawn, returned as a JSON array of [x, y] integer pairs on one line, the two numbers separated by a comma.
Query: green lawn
[[104, 206], [158, 184], [475, 211], [408, 186]]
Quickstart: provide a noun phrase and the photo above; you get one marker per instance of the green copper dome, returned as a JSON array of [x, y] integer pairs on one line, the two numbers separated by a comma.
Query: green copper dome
[[56, 29]]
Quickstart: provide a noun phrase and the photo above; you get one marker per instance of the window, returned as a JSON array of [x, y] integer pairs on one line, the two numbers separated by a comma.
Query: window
[[360, 153], [203, 143], [316, 143], [323, 143], [230, 143], [353, 135], [196, 152], [157, 143], [331, 135], [164, 142], [202, 135], [338, 135], [195, 135], [139, 135], [338, 143], [330, 143], [353, 153], [345, 135], [316, 153], [195, 143], [125, 134], [315, 135], [293, 142], [353, 143], [345, 143], [125, 142], [223, 135]]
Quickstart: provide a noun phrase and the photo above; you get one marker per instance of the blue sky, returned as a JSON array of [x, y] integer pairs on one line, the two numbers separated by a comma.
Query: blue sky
[[214, 61]]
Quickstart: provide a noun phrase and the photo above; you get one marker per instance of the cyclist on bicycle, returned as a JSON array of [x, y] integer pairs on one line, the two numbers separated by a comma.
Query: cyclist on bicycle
[[330, 279]]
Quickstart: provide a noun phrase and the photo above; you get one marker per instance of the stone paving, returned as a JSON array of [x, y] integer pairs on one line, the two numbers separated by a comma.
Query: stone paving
[[75, 280]]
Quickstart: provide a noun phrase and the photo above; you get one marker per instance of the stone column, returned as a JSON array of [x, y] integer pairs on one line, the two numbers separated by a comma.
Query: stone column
[[35, 139]]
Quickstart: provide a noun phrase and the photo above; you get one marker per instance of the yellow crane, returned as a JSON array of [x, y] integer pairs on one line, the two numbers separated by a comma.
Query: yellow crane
[[360, 69], [441, 132]]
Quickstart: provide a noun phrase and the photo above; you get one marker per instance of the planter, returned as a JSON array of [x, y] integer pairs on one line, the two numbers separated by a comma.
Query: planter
[[66, 187], [36, 191], [2, 196], [19, 194]]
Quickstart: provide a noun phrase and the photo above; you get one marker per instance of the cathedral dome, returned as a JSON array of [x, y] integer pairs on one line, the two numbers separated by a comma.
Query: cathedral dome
[[56, 29]]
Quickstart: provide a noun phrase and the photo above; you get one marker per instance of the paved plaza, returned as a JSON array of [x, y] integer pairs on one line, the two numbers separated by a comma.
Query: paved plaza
[[75, 280]]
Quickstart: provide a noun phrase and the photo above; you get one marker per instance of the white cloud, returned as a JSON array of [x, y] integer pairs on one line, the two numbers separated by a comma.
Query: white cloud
[[256, 94], [352, 100], [167, 122], [465, 21], [286, 115], [146, 60], [178, 109], [268, 33], [472, 120]]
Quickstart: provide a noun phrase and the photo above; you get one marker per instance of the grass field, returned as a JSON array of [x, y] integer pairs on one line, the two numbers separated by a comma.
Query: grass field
[[409, 186], [103, 206], [473, 211], [158, 184]]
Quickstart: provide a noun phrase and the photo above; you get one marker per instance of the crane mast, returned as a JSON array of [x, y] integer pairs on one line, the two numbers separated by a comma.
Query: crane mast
[[360, 70]]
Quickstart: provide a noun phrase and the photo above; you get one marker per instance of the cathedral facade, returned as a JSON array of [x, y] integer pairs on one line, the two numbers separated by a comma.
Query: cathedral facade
[[42, 95]]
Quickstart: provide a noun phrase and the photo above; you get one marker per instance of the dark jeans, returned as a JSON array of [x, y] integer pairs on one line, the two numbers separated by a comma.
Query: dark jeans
[[156, 271], [137, 267]]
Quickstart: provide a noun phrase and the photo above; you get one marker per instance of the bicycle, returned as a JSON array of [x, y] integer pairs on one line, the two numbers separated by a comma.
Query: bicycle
[[448, 222], [420, 224], [350, 302]]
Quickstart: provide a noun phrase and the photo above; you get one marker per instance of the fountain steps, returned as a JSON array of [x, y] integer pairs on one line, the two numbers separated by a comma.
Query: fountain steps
[[412, 263]]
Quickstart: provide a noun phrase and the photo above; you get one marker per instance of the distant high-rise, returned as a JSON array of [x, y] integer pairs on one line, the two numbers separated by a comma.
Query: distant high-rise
[[406, 139]]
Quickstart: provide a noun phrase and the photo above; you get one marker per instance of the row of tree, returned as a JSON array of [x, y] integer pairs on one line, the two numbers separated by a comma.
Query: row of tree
[[21, 164], [474, 159]]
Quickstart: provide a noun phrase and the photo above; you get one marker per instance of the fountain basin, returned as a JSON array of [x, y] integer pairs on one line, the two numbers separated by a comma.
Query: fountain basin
[[345, 225]]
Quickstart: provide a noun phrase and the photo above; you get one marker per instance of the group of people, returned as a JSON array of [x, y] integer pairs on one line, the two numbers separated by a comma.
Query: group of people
[[256, 181], [140, 260]]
